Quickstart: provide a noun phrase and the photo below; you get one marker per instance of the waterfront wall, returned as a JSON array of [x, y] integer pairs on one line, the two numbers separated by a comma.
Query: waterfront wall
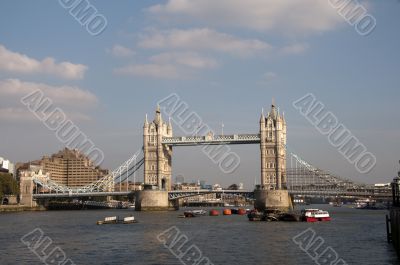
[[20, 208], [395, 228]]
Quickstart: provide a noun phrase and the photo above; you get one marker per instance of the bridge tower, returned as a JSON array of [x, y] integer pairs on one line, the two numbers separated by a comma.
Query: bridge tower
[[273, 192], [157, 157], [273, 150]]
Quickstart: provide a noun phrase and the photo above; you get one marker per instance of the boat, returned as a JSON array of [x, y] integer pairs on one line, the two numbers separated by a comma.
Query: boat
[[368, 204], [194, 213], [129, 220], [255, 215], [108, 220], [116, 220], [365, 204], [314, 215], [288, 217]]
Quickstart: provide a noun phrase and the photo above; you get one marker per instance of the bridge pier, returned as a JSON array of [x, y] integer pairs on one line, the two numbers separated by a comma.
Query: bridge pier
[[273, 200], [26, 191], [153, 200]]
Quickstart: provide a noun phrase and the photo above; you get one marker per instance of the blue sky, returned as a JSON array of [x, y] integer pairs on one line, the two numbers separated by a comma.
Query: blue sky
[[226, 59]]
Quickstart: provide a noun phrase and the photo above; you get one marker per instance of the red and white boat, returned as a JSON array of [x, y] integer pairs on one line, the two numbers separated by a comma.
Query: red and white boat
[[314, 215]]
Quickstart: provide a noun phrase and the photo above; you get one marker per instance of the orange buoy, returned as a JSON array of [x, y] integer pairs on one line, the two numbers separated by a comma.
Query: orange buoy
[[227, 212], [214, 213], [241, 211]]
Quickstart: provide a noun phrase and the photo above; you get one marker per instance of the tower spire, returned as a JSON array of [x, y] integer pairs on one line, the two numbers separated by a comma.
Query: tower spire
[[262, 118], [146, 122], [169, 123], [158, 119]]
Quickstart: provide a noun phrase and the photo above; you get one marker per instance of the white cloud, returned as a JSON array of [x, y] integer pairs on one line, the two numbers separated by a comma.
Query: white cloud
[[21, 63], [202, 39], [121, 51], [66, 95], [170, 65], [190, 59], [296, 48], [166, 71], [286, 16], [14, 114]]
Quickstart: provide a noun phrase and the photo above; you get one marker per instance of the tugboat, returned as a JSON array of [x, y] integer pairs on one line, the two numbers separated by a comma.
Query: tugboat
[[314, 215], [272, 215], [255, 215]]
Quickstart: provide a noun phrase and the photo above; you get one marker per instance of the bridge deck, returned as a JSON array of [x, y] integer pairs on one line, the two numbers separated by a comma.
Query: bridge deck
[[176, 194], [212, 140]]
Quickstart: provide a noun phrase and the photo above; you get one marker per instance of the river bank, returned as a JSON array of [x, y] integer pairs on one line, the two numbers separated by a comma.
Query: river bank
[[20, 208]]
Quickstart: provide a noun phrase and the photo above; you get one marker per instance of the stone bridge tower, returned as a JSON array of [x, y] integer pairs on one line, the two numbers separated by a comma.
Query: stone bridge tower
[[273, 150], [273, 193], [157, 157]]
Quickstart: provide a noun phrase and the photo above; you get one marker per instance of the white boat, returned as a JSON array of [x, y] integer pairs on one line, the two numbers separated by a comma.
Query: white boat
[[108, 220], [129, 220], [314, 215], [116, 220], [364, 204]]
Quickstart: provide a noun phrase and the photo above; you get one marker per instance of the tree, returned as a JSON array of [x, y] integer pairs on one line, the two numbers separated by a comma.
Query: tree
[[8, 185]]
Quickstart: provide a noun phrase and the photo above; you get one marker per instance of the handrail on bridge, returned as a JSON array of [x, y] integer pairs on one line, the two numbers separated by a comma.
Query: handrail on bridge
[[106, 183]]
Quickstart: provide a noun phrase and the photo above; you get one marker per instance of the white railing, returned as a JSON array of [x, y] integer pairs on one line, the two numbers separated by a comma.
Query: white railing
[[106, 183]]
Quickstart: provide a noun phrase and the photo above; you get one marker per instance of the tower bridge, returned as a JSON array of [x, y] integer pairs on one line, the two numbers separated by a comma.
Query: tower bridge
[[277, 179]]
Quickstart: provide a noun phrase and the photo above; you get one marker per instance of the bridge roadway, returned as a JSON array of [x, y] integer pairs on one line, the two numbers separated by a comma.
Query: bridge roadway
[[212, 140], [177, 194]]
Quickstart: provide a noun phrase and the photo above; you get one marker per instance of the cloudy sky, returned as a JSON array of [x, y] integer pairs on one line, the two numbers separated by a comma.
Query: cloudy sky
[[226, 59]]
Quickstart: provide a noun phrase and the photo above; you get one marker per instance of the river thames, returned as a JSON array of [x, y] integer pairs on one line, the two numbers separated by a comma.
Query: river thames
[[357, 236]]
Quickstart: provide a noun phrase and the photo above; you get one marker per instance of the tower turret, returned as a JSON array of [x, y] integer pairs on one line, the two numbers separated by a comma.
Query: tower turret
[[169, 127], [158, 117]]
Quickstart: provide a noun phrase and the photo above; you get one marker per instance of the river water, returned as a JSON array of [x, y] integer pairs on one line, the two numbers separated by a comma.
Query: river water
[[357, 236]]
